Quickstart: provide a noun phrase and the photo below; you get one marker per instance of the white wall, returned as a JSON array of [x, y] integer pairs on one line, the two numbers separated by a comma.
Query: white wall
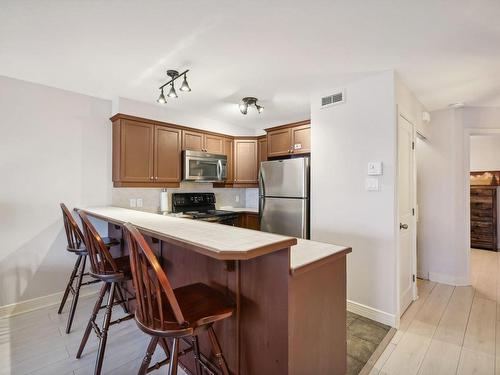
[[485, 153], [55, 147], [443, 163], [344, 139]]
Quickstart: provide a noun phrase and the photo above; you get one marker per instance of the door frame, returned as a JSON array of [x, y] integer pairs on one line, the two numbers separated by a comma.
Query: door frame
[[407, 117], [468, 132]]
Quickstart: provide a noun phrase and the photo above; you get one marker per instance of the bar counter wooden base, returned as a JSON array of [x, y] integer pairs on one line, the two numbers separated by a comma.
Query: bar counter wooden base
[[285, 323]]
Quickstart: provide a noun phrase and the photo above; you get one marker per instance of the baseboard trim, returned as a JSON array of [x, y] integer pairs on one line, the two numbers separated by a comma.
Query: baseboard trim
[[371, 313], [41, 302], [448, 279]]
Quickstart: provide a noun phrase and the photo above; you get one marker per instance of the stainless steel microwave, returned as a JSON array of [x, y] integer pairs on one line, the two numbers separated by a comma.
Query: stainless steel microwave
[[200, 166]]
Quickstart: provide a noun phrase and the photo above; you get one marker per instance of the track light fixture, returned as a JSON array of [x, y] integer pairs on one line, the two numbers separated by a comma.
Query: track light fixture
[[173, 74], [247, 102]]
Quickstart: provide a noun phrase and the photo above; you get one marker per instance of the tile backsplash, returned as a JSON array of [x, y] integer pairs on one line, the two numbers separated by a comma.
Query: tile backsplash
[[151, 197]]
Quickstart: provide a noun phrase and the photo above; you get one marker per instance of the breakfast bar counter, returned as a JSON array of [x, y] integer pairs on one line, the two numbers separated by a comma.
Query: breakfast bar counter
[[290, 294]]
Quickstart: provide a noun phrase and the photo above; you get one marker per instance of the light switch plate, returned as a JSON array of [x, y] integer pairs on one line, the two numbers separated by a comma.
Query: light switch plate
[[133, 202], [139, 202], [371, 184], [237, 198], [375, 168]]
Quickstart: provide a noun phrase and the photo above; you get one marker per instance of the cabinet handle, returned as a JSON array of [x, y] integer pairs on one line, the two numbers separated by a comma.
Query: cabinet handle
[[156, 177], [151, 177]]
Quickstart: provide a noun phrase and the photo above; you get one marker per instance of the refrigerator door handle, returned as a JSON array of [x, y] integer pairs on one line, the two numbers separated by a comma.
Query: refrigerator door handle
[[262, 204], [262, 187]]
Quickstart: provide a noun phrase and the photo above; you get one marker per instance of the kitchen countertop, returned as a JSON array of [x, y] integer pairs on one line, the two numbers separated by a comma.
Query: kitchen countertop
[[240, 209], [220, 241]]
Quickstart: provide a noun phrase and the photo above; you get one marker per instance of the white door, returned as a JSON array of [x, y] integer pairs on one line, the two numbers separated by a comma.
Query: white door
[[407, 238]]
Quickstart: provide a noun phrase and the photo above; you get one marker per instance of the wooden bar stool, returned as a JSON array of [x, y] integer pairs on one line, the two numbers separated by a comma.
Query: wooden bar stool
[[181, 313], [113, 272], [76, 246]]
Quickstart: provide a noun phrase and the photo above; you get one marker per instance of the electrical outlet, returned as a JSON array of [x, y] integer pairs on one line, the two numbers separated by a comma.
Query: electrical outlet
[[133, 202], [237, 198], [139, 202]]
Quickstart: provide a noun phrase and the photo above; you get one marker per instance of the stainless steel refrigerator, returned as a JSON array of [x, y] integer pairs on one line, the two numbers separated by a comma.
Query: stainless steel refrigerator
[[284, 197]]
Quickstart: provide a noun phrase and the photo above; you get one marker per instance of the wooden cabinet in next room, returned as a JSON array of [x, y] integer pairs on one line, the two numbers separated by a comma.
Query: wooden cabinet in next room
[[483, 215]]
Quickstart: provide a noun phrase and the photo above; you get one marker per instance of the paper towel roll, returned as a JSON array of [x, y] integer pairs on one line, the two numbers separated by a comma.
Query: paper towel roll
[[163, 200]]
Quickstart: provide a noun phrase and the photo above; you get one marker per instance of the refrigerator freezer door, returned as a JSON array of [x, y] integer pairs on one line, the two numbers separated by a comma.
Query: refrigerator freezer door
[[285, 178], [285, 216]]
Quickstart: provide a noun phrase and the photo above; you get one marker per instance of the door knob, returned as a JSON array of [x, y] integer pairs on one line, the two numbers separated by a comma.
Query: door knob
[[403, 226]]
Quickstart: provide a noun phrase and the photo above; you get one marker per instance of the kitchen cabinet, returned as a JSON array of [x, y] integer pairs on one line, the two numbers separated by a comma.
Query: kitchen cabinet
[[199, 141], [249, 220], [229, 152], [262, 149], [289, 139], [245, 161], [145, 154]]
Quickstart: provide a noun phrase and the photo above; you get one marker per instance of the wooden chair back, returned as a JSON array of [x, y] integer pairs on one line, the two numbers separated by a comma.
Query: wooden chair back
[[101, 262], [154, 294], [74, 235]]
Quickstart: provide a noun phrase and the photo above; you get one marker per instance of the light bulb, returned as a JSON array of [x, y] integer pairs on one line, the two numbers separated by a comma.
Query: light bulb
[[172, 93], [259, 108], [185, 86], [244, 108], [161, 99]]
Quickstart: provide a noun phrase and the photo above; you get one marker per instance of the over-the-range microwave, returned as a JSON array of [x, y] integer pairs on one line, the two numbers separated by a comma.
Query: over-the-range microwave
[[201, 166]]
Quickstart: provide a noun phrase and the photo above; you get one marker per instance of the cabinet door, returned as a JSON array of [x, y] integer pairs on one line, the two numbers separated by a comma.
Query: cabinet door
[[245, 161], [136, 155], [214, 144], [301, 139], [279, 142], [229, 152], [167, 154], [192, 140], [252, 221], [262, 150]]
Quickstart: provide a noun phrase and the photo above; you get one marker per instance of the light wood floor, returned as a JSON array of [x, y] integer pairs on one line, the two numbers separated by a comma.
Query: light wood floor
[[450, 330], [36, 343]]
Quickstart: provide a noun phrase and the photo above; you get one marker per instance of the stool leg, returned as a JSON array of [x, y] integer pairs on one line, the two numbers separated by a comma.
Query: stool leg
[[77, 294], [70, 284], [196, 352], [104, 330], [149, 353], [172, 368], [217, 351], [97, 306], [164, 345], [121, 298]]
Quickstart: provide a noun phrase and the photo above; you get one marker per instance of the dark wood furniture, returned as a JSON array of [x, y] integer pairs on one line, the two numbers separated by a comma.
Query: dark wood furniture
[[294, 138], [147, 153], [75, 245], [249, 220], [112, 272], [483, 214], [181, 313], [286, 321]]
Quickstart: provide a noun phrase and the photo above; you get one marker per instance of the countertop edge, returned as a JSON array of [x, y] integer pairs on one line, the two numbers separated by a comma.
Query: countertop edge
[[211, 252], [306, 267]]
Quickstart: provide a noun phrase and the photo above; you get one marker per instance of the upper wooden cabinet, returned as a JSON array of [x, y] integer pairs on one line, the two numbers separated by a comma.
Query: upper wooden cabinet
[[229, 152], [199, 141], [145, 154], [245, 161], [262, 150], [289, 139]]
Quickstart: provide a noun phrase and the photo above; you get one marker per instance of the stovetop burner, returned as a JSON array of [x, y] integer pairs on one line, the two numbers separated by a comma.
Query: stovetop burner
[[201, 206]]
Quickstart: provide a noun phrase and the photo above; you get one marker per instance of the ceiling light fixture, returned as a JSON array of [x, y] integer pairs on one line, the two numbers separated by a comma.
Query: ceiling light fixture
[[173, 74], [247, 102]]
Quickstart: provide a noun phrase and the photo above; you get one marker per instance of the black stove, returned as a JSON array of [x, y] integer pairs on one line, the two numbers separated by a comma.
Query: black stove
[[201, 206]]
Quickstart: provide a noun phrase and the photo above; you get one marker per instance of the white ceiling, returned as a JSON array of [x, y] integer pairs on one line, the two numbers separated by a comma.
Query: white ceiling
[[279, 51]]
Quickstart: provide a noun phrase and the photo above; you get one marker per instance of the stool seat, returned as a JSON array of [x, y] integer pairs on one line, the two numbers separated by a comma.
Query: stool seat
[[122, 272], [201, 305]]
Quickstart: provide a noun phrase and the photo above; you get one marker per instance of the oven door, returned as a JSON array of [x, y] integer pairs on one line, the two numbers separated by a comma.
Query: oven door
[[203, 167]]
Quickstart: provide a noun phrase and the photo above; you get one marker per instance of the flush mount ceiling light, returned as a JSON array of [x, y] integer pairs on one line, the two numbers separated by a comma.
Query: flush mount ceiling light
[[247, 102], [173, 74]]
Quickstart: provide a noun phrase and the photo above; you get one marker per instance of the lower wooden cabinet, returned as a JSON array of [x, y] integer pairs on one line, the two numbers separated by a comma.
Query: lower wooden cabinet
[[245, 162], [249, 220]]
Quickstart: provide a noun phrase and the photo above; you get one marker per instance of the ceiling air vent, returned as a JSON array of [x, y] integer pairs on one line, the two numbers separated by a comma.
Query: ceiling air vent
[[337, 98]]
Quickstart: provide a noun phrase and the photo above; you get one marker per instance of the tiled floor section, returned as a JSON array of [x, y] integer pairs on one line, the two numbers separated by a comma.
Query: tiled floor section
[[363, 337], [450, 330]]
